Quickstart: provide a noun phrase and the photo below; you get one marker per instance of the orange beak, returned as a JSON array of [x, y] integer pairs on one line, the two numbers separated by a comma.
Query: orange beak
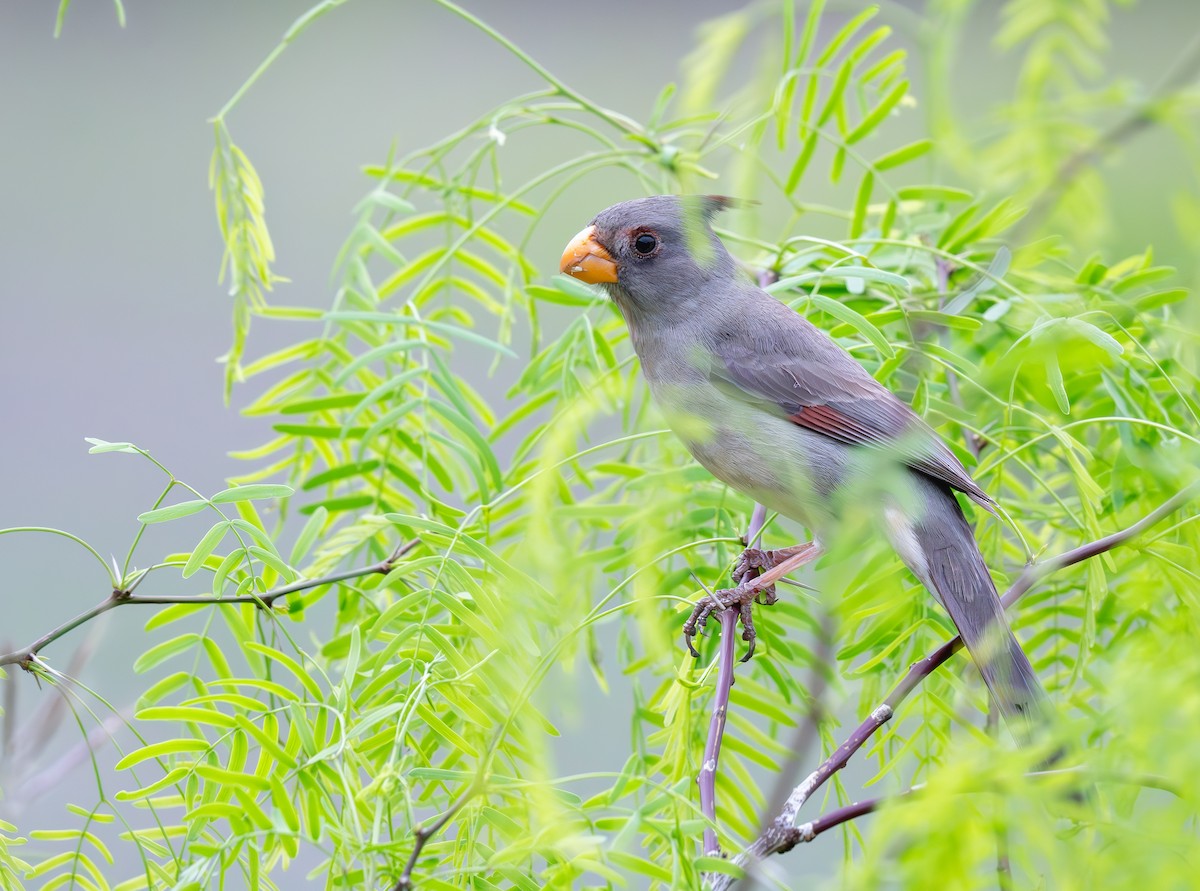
[[587, 260]]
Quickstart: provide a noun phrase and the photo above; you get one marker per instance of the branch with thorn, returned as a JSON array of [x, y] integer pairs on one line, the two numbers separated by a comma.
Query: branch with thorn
[[707, 779], [27, 656], [781, 833], [807, 832]]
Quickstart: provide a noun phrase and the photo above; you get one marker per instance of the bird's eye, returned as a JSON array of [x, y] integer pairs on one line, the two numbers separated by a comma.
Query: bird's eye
[[645, 244]]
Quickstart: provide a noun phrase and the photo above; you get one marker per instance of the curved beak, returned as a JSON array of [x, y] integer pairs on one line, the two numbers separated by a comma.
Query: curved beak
[[587, 260]]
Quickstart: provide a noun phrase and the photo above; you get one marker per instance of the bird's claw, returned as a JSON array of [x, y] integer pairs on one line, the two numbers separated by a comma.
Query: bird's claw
[[747, 591], [740, 598], [751, 563]]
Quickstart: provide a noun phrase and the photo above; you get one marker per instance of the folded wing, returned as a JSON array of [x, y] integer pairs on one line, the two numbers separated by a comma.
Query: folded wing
[[797, 371]]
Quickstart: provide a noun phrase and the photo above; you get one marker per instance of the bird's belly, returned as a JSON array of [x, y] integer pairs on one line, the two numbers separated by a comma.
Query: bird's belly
[[782, 466]]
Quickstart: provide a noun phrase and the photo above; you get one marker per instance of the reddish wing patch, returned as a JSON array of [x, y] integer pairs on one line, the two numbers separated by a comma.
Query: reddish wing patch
[[834, 424], [940, 463]]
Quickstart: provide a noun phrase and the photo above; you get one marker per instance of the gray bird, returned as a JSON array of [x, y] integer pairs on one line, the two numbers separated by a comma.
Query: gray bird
[[774, 408]]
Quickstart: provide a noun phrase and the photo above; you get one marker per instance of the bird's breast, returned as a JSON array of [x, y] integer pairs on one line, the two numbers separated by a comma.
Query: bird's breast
[[759, 454]]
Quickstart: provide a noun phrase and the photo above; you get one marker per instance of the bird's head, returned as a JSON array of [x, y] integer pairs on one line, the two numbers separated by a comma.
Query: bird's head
[[652, 255]]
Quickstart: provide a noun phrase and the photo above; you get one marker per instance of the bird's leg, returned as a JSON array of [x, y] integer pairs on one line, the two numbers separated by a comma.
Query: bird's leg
[[755, 575]]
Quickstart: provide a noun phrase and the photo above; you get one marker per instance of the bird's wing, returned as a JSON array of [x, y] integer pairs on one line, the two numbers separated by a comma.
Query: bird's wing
[[797, 371]]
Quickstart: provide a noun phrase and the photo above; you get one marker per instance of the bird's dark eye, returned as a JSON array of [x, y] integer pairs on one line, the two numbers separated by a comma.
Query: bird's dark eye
[[645, 244]]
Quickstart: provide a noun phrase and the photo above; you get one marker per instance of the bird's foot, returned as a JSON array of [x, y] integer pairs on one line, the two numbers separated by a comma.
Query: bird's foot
[[751, 563], [740, 598], [755, 561], [749, 589]]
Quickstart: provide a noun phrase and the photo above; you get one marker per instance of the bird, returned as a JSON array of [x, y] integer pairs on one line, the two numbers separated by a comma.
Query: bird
[[774, 408]]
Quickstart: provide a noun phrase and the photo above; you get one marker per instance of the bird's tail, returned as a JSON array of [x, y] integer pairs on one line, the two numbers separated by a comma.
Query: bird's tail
[[950, 565]]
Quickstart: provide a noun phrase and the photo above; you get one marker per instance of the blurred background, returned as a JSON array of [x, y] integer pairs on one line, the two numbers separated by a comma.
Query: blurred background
[[111, 315]]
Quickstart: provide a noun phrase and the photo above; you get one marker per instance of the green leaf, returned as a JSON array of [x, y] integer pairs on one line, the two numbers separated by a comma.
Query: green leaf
[[933, 193], [904, 154], [398, 319], [232, 559], [888, 220], [99, 446], [162, 688], [1090, 332], [388, 201], [835, 166], [643, 866], [865, 273], [319, 431], [1054, 380], [844, 33], [308, 535], [482, 448], [163, 749], [282, 659], [270, 558], [340, 504], [174, 512], [320, 403], [835, 92], [855, 319], [186, 715], [574, 287], [562, 298], [873, 118], [961, 323], [207, 545], [892, 64], [291, 313], [809, 34], [1161, 298], [861, 199], [801, 164], [719, 865], [1140, 277], [255, 492], [165, 650]]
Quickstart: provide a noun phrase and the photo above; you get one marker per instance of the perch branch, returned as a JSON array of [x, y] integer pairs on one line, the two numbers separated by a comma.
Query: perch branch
[[806, 731], [807, 832], [707, 778], [781, 836]]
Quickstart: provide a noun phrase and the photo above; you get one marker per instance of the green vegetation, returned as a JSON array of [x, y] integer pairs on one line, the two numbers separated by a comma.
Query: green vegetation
[[460, 549]]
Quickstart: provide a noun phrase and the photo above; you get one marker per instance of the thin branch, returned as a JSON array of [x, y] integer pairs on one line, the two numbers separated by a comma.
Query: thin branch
[[75, 538], [758, 519], [1141, 117], [806, 732], [38, 730], [807, 832], [1035, 572], [616, 119], [422, 835], [26, 656], [781, 834], [707, 778]]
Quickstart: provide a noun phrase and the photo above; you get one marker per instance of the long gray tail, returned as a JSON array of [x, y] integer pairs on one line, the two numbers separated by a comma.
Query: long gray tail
[[955, 572]]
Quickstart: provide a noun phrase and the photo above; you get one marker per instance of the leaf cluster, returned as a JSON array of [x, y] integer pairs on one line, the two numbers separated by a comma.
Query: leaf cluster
[[561, 529]]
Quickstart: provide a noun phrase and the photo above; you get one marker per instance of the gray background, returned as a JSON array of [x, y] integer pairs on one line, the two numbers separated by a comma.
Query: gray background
[[110, 312]]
